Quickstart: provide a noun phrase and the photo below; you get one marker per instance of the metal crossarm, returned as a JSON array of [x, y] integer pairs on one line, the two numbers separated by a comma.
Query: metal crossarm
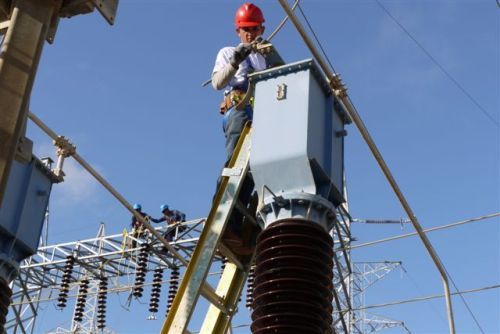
[[225, 298]]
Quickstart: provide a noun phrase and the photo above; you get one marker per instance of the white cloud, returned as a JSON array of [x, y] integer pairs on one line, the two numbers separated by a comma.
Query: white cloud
[[78, 184]]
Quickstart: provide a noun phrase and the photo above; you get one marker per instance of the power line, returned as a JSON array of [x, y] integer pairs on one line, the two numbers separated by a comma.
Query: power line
[[316, 38], [448, 274], [413, 300], [465, 302], [436, 312], [420, 299], [459, 86], [282, 23], [432, 229]]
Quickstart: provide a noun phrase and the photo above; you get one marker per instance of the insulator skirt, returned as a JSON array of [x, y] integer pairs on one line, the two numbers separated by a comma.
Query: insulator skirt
[[292, 288]]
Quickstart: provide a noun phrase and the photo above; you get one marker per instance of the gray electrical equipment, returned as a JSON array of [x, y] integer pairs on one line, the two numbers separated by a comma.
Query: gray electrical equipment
[[22, 213], [297, 155]]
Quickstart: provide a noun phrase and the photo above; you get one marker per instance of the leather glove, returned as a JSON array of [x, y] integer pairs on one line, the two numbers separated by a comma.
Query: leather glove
[[240, 53]]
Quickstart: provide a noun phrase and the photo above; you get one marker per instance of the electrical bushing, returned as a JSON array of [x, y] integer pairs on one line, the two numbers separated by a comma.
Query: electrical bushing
[[297, 164], [22, 214]]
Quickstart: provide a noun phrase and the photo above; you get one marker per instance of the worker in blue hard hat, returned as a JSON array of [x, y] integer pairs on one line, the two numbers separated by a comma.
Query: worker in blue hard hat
[[135, 222], [171, 217], [136, 225]]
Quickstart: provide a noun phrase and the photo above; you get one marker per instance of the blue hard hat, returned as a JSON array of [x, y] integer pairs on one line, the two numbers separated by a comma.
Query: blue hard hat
[[164, 207], [137, 206]]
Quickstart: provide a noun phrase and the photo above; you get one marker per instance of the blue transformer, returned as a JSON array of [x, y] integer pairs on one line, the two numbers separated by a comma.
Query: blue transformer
[[22, 213], [297, 154]]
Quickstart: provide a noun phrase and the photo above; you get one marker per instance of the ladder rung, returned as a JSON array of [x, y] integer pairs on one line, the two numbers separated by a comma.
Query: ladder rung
[[209, 293], [231, 256], [4, 26], [241, 208]]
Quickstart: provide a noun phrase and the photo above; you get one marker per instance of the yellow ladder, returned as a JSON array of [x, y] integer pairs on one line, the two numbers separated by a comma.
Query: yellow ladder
[[223, 301]]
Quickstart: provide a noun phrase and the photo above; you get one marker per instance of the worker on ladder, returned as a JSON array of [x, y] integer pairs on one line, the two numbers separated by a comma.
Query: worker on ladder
[[230, 73], [232, 66]]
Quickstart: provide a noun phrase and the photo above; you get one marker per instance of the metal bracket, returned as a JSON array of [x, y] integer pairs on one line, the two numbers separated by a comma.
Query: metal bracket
[[107, 8], [232, 171], [64, 147]]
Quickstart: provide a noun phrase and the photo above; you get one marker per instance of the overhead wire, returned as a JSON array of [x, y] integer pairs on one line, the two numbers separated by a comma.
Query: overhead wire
[[419, 299], [282, 23], [465, 302], [316, 38], [451, 278], [434, 60], [417, 286], [339, 90], [412, 300], [353, 113], [432, 229]]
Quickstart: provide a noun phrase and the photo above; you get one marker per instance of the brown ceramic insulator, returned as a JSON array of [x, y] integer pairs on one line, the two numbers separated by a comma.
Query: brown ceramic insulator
[[293, 279], [101, 302], [65, 280], [81, 299], [155, 290], [174, 285]]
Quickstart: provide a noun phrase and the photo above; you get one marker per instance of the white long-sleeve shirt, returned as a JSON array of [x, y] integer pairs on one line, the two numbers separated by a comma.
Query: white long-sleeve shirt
[[225, 76]]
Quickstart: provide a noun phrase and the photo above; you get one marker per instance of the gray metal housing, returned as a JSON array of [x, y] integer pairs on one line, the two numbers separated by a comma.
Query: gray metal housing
[[297, 138], [22, 213]]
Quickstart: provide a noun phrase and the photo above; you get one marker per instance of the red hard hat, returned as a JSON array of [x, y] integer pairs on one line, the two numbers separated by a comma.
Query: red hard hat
[[248, 15]]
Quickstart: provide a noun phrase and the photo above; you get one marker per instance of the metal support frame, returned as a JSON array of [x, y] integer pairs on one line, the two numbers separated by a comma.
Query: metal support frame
[[40, 275], [343, 272], [340, 91], [365, 275]]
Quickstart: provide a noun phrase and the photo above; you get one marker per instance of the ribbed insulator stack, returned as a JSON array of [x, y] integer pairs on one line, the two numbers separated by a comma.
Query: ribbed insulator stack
[[5, 294], [174, 285], [293, 279], [102, 296], [250, 285], [155, 290], [66, 277], [140, 270], [81, 299]]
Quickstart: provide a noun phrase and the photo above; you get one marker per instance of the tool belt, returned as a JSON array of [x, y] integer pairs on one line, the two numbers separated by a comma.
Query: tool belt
[[232, 99]]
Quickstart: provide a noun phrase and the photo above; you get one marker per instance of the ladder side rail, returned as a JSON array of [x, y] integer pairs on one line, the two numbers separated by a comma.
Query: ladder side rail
[[230, 286], [199, 265]]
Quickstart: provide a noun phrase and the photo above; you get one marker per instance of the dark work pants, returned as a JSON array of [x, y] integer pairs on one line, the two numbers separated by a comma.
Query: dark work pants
[[233, 123]]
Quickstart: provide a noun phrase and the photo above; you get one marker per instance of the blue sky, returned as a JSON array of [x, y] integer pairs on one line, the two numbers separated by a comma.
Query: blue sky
[[130, 97]]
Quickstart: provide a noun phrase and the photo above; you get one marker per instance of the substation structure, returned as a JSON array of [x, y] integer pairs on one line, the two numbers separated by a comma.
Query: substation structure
[[116, 259]]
